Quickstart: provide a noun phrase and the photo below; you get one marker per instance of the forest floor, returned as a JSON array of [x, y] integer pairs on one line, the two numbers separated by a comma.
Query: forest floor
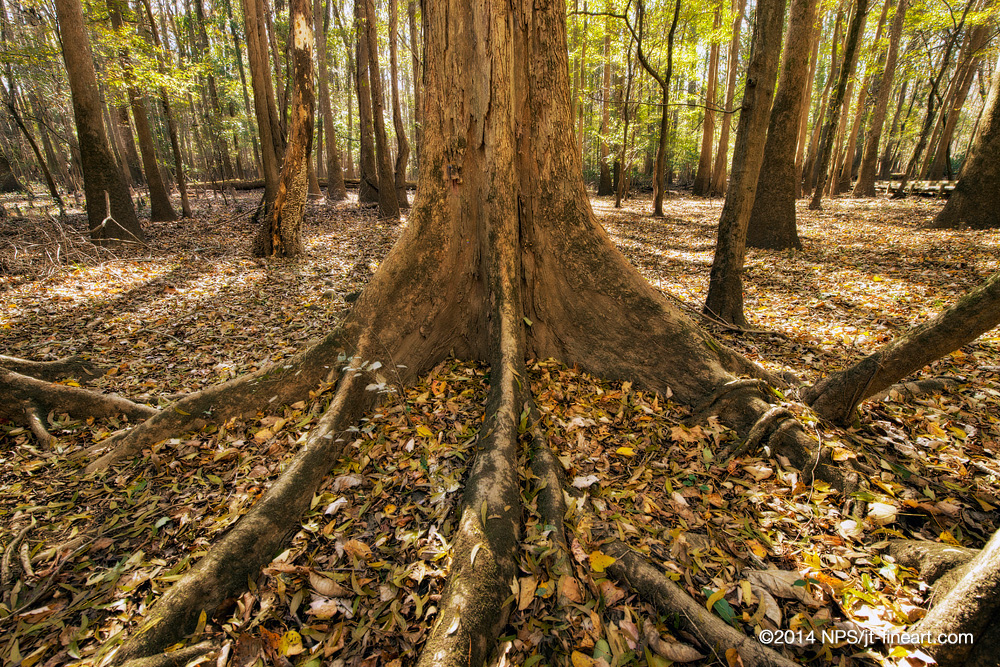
[[360, 582]]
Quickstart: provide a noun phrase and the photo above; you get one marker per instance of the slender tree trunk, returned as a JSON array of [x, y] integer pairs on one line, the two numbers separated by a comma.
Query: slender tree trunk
[[722, 155], [605, 186], [865, 186], [368, 171], [725, 288], [772, 218], [388, 204], [973, 203], [583, 82], [15, 114], [847, 164], [970, 62], [160, 208], [885, 162], [826, 148], [932, 96], [418, 104], [243, 82], [263, 106], [280, 235], [809, 171], [803, 135], [402, 145], [335, 188], [102, 179], [621, 178], [703, 178]]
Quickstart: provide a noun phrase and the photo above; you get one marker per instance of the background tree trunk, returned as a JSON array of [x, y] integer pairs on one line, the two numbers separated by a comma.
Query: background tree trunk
[[725, 288], [604, 185], [722, 155], [865, 186], [367, 170], [103, 181], [280, 235], [973, 203], [388, 204], [772, 218], [418, 104], [260, 73], [335, 188], [826, 146], [703, 178], [402, 145]]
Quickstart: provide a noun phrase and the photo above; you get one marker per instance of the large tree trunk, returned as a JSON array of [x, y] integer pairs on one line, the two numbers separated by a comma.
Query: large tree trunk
[[703, 177], [502, 260], [722, 154], [772, 219], [725, 288], [367, 170], [836, 396], [973, 203], [865, 186], [826, 146], [280, 234], [103, 181], [402, 145], [335, 188]]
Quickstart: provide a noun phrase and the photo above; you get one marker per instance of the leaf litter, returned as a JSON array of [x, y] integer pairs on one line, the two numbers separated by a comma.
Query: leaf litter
[[751, 538]]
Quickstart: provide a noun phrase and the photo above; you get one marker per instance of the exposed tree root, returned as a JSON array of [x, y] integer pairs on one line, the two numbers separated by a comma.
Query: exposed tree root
[[50, 371], [285, 382], [634, 571], [25, 399], [931, 560], [971, 607], [918, 388], [177, 658], [222, 574]]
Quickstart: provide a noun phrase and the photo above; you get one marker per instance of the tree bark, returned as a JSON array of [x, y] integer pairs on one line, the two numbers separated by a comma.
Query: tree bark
[[719, 182], [402, 145], [160, 208], [826, 146], [605, 186], [725, 288], [281, 235], [703, 177], [973, 202], [772, 218], [418, 105], [865, 186], [260, 74], [836, 396], [803, 136], [368, 189], [103, 181], [388, 204], [335, 188]]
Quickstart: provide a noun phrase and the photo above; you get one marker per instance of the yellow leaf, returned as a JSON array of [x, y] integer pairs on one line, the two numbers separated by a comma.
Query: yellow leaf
[[582, 660], [985, 505], [625, 451], [424, 431], [600, 560], [291, 643], [715, 597]]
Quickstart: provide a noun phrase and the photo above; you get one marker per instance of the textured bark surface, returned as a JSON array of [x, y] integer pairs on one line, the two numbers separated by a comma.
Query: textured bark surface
[[772, 219], [865, 186], [103, 182], [836, 396], [260, 74], [970, 607], [605, 186], [725, 288], [367, 170], [281, 233], [973, 203]]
